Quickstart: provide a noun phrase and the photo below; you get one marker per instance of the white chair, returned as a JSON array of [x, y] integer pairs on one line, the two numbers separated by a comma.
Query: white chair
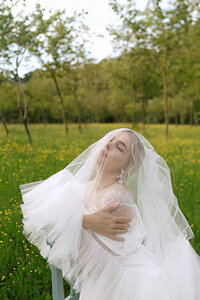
[[57, 285]]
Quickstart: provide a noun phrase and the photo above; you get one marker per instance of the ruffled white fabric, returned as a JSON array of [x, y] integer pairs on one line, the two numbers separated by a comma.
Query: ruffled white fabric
[[99, 267]]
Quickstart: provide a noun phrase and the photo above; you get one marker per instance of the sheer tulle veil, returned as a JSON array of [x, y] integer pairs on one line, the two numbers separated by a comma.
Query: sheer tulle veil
[[146, 176]]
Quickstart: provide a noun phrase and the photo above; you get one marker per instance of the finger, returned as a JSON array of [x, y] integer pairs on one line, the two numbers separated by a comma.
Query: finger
[[111, 207], [122, 226], [116, 238], [122, 219], [120, 230]]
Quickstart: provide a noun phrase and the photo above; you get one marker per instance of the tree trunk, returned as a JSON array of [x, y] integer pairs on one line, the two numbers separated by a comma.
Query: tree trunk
[[25, 121], [174, 109], [191, 103], [60, 100], [182, 118], [18, 99], [195, 117], [44, 116], [142, 101], [176, 119], [164, 74], [133, 107], [3, 120], [77, 102]]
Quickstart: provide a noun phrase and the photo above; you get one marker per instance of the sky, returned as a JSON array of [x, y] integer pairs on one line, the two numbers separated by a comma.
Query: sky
[[99, 16]]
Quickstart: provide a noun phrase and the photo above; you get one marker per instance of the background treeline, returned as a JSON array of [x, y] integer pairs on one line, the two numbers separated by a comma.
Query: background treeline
[[155, 79]]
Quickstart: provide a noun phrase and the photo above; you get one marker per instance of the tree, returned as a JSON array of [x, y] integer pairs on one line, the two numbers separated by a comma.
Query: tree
[[15, 40], [159, 28], [59, 44], [2, 118]]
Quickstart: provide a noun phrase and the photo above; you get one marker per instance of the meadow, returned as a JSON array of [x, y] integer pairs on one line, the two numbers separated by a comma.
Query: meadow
[[24, 273]]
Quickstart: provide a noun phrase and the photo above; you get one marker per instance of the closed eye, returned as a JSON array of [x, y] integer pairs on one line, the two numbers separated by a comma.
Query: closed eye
[[119, 148]]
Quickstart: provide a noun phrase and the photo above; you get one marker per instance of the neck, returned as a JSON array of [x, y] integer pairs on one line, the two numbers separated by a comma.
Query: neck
[[105, 180]]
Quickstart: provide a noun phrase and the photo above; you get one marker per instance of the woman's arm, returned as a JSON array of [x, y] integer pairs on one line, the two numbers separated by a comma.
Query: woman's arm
[[123, 207], [105, 223]]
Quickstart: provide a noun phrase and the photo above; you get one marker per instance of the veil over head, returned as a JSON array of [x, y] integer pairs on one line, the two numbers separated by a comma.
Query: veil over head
[[53, 208]]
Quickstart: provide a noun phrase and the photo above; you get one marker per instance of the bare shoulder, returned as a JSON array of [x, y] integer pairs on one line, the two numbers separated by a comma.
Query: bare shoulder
[[121, 191], [120, 188]]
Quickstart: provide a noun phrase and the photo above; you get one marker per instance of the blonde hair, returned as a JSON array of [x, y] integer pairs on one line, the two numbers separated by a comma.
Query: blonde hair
[[136, 157]]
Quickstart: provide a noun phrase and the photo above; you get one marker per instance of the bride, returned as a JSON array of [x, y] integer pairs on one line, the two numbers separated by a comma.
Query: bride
[[153, 261]]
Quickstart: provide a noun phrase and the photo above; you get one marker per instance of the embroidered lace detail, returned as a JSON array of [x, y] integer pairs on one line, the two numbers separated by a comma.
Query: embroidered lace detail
[[111, 195]]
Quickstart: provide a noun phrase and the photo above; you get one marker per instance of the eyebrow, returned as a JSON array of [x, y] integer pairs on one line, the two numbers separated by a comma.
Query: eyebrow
[[120, 143]]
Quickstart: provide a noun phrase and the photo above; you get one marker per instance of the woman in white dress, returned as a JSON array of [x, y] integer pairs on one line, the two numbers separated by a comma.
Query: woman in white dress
[[155, 260]]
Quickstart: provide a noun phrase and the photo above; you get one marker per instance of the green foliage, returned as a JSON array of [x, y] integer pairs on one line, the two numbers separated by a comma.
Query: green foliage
[[160, 42], [56, 42], [16, 38], [166, 34]]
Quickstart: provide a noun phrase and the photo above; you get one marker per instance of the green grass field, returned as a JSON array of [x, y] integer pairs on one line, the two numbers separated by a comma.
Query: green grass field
[[24, 273]]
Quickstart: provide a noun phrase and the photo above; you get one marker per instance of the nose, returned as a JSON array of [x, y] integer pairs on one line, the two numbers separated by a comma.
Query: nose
[[109, 145]]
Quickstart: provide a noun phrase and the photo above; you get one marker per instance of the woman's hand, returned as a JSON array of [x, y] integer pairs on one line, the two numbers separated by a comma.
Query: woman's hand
[[105, 223]]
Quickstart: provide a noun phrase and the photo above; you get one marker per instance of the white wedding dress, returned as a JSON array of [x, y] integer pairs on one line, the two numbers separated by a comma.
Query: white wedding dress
[[177, 278], [106, 269]]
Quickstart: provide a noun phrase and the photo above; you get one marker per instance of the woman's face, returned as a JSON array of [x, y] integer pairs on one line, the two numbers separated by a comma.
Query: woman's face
[[116, 153]]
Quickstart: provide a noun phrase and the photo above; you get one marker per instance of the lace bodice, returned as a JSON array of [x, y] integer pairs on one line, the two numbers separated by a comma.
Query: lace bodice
[[113, 194], [127, 208]]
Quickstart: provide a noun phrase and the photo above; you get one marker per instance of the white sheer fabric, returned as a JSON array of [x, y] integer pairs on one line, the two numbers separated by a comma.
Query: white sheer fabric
[[156, 261], [144, 277]]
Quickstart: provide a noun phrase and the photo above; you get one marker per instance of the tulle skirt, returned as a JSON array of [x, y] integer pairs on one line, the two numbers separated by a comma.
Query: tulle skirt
[[53, 211], [142, 278]]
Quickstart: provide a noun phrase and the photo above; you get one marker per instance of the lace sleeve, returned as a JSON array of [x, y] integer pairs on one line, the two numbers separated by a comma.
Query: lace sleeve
[[136, 232]]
